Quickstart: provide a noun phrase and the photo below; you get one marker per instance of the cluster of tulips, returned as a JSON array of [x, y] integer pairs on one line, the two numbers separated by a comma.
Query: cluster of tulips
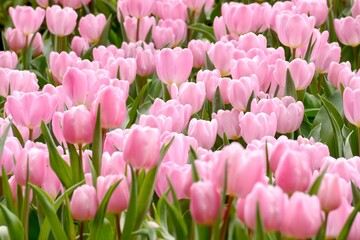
[[180, 119]]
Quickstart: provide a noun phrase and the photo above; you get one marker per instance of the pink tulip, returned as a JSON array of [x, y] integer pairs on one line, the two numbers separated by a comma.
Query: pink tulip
[[302, 216], [249, 41], [62, 28], [160, 122], [204, 132], [271, 201], [102, 54], [91, 27], [14, 80], [43, 3], [261, 16], [219, 28], [59, 63], [15, 39], [145, 61], [293, 172], [78, 125], [52, 185], [80, 211], [144, 24], [114, 141], [294, 30], [291, 114], [355, 10], [125, 67], [190, 93], [169, 32], [197, 5], [342, 167], [350, 99], [114, 164], [228, 123], [136, 8], [347, 30], [10, 154], [231, 12], [76, 4], [318, 9], [199, 49], [173, 9], [29, 109], [180, 178], [336, 71], [302, 73], [119, 200], [240, 91], [27, 19], [142, 147], [37, 45], [330, 184], [256, 126], [79, 45], [8, 59], [220, 55], [204, 203], [174, 65], [112, 101], [14, 190], [36, 160], [337, 219]]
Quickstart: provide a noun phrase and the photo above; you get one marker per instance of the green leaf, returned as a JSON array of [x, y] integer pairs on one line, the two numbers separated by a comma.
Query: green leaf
[[217, 103], [347, 226], [7, 191], [268, 170], [76, 165], [97, 143], [348, 153], [356, 193], [178, 221], [57, 163], [209, 64], [207, 31], [333, 110], [49, 210], [133, 111], [104, 38], [17, 134], [193, 156], [248, 105], [289, 86], [122, 30], [68, 220], [316, 185], [259, 226], [101, 212], [16, 230], [216, 12], [3, 139], [132, 209]]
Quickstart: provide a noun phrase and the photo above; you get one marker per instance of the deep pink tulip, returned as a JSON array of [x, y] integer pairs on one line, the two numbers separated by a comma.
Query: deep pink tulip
[[29, 109], [221, 55], [228, 123], [64, 27], [8, 59], [293, 171], [78, 125], [27, 19], [76, 4], [271, 201], [112, 101], [294, 30], [302, 216], [174, 65], [142, 147], [52, 185], [204, 203], [190, 93], [204, 132], [80, 211], [119, 200], [91, 27], [15, 39]]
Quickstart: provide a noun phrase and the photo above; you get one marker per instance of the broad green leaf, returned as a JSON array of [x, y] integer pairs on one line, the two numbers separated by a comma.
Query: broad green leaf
[[355, 193], [76, 164], [316, 185], [348, 153], [49, 210], [17, 134], [122, 30], [135, 105], [101, 213], [333, 110], [97, 143], [132, 209], [107, 231], [344, 233], [68, 220], [209, 64], [259, 226], [104, 38], [217, 103], [7, 191], [3, 139], [207, 31], [16, 230], [57, 163], [248, 105], [178, 221], [289, 86]]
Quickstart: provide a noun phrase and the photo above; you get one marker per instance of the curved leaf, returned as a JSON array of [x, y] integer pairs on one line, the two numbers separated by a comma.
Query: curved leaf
[[16, 230]]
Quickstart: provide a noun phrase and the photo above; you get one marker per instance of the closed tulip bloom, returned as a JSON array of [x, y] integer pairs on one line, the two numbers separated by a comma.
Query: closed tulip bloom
[[11, 151], [228, 123], [125, 67], [43, 3], [15, 39], [290, 116], [27, 19], [337, 219], [271, 201], [174, 65], [169, 33], [256, 126], [29, 109], [336, 70], [302, 216], [355, 10], [294, 30], [221, 55], [144, 24], [240, 91], [136, 8], [199, 49], [112, 101], [293, 172], [318, 9], [76, 4], [78, 125], [145, 62], [37, 159], [204, 203], [204, 132], [160, 122], [64, 27], [119, 200], [59, 63], [190, 93], [14, 80], [79, 45], [301, 72], [8, 59], [91, 27], [219, 28], [347, 30], [84, 203], [173, 9], [330, 184], [142, 147], [350, 100], [231, 12]]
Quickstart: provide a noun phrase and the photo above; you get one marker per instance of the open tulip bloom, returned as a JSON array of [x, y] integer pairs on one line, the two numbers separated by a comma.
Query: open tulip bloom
[[180, 119]]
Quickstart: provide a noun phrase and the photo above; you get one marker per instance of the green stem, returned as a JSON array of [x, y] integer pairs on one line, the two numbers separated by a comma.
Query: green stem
[[356, 57], [359, 140], [226, 219], [24, 53], [25, 207], [191, 21], [137, 30], [31, 131], [81, 231], [118, 230], [293, 53], [80, 162], [103, 137], [320, 79]]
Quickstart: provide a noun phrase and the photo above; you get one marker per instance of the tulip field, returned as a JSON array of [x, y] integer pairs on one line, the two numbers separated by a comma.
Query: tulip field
[[179, 119]]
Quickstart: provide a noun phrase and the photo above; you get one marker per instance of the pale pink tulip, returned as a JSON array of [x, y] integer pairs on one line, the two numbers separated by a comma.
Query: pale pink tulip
[[91, 27], [80, 211], [27, 19], [64, 27], [204, 132]]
